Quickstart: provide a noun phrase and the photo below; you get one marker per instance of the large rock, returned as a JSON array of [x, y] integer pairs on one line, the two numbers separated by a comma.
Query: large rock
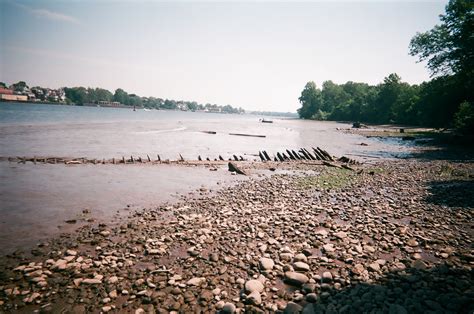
[[254, 285], [254, 298], [295, 278], [229, 308], [266, 263], [301, 266]]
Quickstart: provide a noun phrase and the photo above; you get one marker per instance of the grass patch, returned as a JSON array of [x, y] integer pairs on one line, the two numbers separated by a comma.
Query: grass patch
[[333, 178]]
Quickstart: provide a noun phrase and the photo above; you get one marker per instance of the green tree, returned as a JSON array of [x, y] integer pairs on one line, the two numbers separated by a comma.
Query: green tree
[[464, 118], [77, 95], [20, 86], [310, 100], [103, 95], [448, 47], [121, 96]]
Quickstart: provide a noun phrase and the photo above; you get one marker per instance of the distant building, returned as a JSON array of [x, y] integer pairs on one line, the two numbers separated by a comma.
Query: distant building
[[104, 103], [11, 97]]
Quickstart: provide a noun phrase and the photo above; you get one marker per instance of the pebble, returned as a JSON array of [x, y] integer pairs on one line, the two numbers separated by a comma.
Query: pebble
[[197, 281], [327, 276]]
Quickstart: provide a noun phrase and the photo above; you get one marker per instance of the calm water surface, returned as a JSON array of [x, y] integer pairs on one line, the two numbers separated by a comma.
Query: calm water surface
[[32, 129]]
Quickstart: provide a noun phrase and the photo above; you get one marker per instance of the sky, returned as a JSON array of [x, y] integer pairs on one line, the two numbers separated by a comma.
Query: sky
[[256, 55]]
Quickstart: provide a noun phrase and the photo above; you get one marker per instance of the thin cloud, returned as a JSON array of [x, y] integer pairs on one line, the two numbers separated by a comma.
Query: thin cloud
[[55, 54], [47, 14]]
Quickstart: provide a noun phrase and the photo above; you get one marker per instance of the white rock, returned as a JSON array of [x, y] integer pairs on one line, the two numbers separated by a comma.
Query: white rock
[[266, 263], [255, 298], [196, 281], [254, 285]]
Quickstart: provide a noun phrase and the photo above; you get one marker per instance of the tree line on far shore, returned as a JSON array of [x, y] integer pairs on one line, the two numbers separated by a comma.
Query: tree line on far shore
[[82, 95], [444, 101]]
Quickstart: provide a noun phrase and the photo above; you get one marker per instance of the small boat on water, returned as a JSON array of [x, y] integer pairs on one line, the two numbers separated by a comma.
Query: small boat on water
[[145, 109], [266, 121]]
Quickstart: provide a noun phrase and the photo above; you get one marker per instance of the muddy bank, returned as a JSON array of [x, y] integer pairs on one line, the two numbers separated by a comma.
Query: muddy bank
[[40, 201], [391, 237]]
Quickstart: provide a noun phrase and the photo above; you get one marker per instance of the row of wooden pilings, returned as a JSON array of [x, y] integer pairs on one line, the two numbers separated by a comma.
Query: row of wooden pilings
[[290, 155], [302, 154]]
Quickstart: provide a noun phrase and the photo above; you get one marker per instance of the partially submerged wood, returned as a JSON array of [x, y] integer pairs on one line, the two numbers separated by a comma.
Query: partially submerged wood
[[234, 168], [330, 164], [347, 167], [250, 135]]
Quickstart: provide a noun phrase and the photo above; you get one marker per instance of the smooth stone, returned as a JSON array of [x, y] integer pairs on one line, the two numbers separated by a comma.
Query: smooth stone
[[311, 297], [228, 308], [300, 258], [254, 298], [329, 248], [327, 276], [254, 285], [266, 263], [296, 278], [301, 266]]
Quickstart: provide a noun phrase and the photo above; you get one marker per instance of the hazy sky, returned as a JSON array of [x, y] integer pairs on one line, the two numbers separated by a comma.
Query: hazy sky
[[257, 55]]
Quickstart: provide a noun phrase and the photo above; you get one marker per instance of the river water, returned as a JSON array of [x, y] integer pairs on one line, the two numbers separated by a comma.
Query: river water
[[35, 200], [95, 132]]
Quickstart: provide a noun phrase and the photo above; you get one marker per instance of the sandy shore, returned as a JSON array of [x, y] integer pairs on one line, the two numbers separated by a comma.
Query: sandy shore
[[389, 237]]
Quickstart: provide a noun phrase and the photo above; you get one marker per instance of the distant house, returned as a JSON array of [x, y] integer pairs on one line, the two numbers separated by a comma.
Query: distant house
[[7, 94], [11, 97], [5, 91]]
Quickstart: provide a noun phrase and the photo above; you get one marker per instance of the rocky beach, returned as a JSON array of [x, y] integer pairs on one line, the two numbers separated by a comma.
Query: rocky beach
[[385, 237]]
